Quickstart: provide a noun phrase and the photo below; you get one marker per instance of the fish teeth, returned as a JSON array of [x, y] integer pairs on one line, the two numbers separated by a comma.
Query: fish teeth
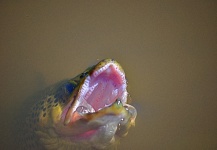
[[96, 73], [101, 70], [90, 91], [85, 86]]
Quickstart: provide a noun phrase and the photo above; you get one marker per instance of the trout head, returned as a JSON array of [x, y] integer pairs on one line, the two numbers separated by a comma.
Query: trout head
[[91, 110]]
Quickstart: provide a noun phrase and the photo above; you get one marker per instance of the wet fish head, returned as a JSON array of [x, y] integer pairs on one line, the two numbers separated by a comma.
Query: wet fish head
[[92, 108]]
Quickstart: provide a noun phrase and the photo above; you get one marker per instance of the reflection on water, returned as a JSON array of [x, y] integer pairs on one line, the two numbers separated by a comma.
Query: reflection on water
[[168, 50]]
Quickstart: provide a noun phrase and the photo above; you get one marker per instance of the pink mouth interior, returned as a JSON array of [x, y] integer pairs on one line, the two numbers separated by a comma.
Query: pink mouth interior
[[105, 88], [99, 90]]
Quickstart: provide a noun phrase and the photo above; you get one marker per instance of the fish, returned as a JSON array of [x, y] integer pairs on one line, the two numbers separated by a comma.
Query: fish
[[89, 111]]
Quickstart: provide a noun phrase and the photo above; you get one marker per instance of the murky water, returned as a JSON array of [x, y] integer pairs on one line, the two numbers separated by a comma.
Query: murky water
[[168, 50]]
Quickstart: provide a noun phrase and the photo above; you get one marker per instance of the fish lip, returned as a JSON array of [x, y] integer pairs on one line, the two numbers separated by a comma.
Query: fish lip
[[110, 67]]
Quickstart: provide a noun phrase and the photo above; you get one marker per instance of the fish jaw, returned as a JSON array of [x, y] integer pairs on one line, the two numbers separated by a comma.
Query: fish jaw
[[102, 128], [97, 112], [106, 123], [103, 84]]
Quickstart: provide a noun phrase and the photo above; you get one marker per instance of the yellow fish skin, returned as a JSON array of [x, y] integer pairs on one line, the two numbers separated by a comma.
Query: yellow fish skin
[[89, 111]]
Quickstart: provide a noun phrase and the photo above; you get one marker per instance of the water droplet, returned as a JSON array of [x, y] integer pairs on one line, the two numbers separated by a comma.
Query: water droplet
[[82, 110]]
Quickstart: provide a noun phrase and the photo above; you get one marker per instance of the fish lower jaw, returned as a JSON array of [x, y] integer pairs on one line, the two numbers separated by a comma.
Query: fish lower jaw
[[104, 136], [100, 129], [88, 106]]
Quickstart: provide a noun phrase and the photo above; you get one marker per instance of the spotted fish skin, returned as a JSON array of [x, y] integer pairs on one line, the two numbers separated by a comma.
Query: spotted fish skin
[[39, 114], [45, 122]]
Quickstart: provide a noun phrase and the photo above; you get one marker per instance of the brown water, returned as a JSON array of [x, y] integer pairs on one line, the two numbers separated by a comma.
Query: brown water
[[168, 50]]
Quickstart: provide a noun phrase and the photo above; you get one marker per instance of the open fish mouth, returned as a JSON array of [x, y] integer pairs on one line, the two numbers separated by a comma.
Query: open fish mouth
[[100, 89], [98, 110]]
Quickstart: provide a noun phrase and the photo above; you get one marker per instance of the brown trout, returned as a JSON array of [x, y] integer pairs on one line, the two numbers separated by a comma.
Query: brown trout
[[89, 111]]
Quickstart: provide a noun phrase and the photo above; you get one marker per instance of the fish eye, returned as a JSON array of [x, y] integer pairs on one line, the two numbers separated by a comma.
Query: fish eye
[[70, 87]]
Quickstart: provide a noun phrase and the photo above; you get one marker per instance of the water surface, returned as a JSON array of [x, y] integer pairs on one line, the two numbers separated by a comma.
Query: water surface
[[168, 50]]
